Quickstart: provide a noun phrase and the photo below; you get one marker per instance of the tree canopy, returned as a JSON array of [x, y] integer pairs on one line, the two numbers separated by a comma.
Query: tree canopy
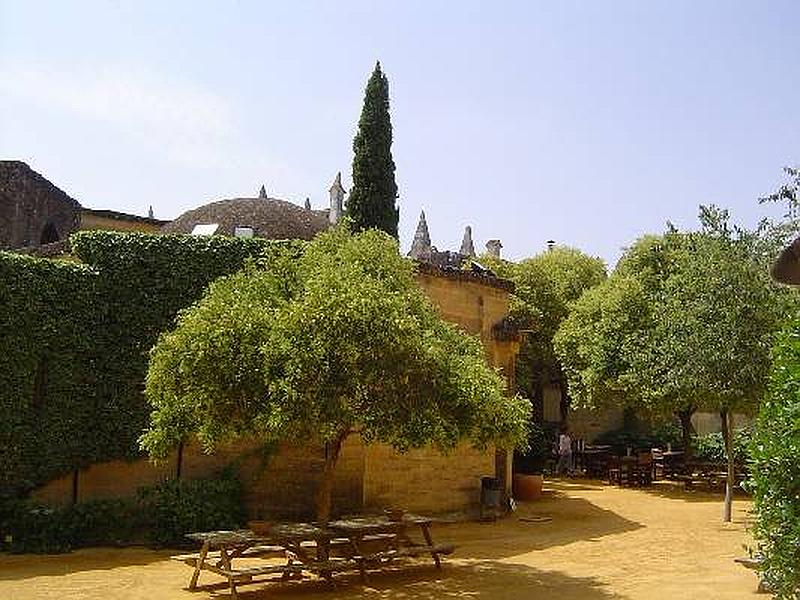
[[373, 199], [312, 349], [685, 322], [546, 285]]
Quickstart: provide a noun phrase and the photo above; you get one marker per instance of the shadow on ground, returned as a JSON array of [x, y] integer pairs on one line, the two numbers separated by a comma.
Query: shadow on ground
[[556, 519], [459, 579], [18, 566]]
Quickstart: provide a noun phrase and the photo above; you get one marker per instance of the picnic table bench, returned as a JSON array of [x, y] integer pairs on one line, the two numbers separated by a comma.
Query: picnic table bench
[[344, 545]]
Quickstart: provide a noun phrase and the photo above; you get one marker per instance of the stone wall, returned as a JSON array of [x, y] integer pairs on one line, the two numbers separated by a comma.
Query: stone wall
[[111, 221], [32, 210]]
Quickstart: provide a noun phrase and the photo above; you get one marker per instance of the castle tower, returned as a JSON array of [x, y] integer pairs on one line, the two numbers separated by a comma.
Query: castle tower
[[467, 247], [337, 199], [421, 246]]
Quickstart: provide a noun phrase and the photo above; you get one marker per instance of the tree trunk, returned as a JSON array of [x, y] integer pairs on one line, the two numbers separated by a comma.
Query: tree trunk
[[565, 400], [538, 401], [323, 496], [727, 434], [687, 429]]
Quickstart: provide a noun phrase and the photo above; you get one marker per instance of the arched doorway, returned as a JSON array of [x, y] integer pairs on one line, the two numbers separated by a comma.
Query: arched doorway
[[49, 234]]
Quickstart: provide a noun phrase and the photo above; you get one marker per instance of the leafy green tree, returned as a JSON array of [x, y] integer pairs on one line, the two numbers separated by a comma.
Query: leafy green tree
[[546, 285], [314, 349], [372, 201], [683, 324]]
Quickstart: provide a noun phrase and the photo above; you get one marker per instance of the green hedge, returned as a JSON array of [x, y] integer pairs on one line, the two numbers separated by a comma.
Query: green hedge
[[48, 374], [74, 343], [160, 515], [775, 471]]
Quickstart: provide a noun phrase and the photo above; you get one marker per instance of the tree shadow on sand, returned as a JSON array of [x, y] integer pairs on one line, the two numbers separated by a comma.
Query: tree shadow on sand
[[22, 566], [479, 579], [555, 520]]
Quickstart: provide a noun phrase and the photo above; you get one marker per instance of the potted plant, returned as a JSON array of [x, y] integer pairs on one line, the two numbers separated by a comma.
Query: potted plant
[[528, 466]]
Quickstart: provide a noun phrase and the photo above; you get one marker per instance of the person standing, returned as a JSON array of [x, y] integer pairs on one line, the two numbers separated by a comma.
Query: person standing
[[564, 453]]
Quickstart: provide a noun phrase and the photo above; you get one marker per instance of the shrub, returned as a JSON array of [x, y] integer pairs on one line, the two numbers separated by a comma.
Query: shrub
[[775, 468], [539, 450], [177, 507], [711, 447], [162, 514]]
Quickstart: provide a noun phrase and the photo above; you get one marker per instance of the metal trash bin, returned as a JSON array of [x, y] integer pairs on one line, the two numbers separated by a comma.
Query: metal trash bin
[[491, 492]]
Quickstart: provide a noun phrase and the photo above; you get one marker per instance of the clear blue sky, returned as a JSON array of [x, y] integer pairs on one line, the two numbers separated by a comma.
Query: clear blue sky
[[590, 123]]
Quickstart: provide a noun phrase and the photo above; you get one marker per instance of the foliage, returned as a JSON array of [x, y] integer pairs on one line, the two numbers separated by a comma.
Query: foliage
[[640, 439], [372, 201], [162, 514], [74, 341], [533, 459], [48, 318], [685, 321], [43, 529], [177, 507], [775, 470], [546, 285], [711, 447], [340, 340]]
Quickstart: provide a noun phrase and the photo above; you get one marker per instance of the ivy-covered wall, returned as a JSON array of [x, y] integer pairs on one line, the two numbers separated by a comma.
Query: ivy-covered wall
[[47, 368], [75, 337]]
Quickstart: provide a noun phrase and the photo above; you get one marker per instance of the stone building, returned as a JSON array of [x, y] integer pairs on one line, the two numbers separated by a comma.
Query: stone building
[[368, 477], [36, 213]]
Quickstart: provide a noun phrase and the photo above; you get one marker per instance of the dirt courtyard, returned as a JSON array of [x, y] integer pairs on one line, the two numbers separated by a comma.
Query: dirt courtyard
[[600, 542]]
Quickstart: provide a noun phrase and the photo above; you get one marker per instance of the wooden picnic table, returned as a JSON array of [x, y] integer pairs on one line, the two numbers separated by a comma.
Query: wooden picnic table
[[395, 534], [341, 546]]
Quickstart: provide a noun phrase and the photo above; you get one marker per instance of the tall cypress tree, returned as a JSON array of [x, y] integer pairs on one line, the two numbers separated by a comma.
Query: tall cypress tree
[[372, 201]]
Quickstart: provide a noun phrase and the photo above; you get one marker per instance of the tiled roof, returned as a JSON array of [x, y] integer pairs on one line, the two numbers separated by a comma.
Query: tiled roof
[[269, 217]]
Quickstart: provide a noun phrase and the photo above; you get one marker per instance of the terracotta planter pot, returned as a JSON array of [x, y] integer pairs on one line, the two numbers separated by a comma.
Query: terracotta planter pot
[[527, 487]]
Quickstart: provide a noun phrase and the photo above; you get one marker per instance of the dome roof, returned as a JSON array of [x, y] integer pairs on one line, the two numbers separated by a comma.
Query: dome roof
[[268, 217]]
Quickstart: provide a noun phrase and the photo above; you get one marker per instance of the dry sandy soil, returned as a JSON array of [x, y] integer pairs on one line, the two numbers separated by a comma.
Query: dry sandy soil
[[601, 543]]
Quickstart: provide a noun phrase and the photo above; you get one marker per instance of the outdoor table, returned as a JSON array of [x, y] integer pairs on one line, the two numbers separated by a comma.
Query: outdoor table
[[396, 535], [673, 462], [304, 547]]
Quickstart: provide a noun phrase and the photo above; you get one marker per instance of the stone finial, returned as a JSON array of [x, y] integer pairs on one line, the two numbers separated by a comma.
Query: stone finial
[[467, 247], [337, 198], [421, 246], [493, 248], [150, 212], [308, 203], [262, 193]]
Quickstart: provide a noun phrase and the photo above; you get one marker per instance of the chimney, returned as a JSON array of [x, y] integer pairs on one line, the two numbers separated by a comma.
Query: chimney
[[467, 247], [262, 193], [421, 246], [493, 248], [337, 198]]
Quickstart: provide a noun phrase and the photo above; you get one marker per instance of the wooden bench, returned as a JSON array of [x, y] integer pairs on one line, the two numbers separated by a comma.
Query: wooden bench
[[407, 551], [253, 551]]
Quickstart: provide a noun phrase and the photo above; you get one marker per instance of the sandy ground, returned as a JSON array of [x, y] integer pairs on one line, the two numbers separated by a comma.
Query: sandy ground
[[601, 542]]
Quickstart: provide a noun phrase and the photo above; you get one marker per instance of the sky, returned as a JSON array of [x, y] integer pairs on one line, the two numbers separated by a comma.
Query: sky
[[588, 123]]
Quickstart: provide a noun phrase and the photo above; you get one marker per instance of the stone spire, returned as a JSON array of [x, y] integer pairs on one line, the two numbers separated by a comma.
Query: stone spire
[[150, 212], [262, 193], [308, 203], [493, 247], [467, 248], [337, 198], [421, 246]]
